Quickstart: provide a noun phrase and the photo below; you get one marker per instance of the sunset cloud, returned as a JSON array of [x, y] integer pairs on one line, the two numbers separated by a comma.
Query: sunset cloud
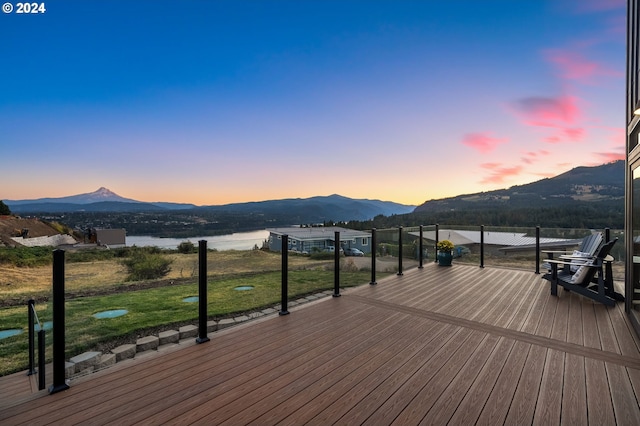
[[560, 114], [499, 173], [548, 112], [531, 157], [573, 66], [482, 142], [608, 157], [599, 5]]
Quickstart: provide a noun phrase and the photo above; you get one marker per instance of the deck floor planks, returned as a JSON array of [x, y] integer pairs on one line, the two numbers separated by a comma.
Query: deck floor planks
[[495, 410], [549, 406], [535, 314], [526, 396], [165, 369], [330, 399], [574, 321], [591, 336], [428, 382], [599, 405], [625, 404], [467, 394], [246, 372], [525, 306], [390, 396], [574, 392], [293, 380], [560, 325], [461, 365], [348, 371], [547, 318], [437, 401], [369, 392]]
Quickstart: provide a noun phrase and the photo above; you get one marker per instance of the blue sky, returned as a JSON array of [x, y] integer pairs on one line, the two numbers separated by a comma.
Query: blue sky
[[212, 102]]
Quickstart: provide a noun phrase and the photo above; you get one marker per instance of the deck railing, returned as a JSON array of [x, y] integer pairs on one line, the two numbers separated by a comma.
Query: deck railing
[[33, 320], [392, 251]]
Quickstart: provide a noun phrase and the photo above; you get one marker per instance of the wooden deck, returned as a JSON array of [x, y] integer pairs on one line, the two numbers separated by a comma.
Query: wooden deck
[[460, 345]]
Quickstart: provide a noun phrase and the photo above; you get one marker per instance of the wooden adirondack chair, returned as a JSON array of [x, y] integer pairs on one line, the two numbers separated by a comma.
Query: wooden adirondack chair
[[587, 249], [589, 245], [590, 280]]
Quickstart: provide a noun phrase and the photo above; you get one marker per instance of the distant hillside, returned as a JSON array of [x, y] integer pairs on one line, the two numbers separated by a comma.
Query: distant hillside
[[601, 184], [585, 197], [289, 211], [12, 226], [318, 209]]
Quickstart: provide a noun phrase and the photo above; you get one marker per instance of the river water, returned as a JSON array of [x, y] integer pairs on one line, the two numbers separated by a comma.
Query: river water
[[235, 241]]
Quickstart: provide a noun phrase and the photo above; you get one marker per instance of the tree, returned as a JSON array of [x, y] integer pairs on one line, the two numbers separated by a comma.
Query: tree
[[4, 209]]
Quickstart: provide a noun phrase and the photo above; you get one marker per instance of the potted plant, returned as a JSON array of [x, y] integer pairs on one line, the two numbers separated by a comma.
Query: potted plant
[[445, 255]]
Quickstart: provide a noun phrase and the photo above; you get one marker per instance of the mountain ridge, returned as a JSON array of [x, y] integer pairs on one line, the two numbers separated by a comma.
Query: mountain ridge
[[604, 183], [318, 208]]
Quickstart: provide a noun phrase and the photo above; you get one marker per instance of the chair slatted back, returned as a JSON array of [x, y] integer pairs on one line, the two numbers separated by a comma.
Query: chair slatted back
[[591, 243], [590, 273]]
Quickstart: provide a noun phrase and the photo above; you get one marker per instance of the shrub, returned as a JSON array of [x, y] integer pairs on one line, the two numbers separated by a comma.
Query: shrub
[[4, 209], [319, 254], [143, 265], [26, 256], [187, 247]]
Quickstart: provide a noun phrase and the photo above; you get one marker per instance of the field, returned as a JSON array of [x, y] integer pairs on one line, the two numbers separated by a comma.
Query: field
[[153, 305]]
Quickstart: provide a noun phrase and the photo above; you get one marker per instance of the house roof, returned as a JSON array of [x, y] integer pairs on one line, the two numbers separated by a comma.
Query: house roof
[[462, 237], [319, 233]]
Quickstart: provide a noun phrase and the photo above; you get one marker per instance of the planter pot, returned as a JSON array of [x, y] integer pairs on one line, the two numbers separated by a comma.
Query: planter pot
[[444, 258]]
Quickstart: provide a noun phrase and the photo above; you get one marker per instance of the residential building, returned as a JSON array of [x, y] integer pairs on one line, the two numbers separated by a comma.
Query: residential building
[[308, 239], [632, 184]]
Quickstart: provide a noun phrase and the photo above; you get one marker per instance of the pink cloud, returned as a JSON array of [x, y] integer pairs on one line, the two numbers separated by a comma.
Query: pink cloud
[[561, 114], [575, 67], [531, 157], [499, 173], [599, 5], [482, 142], [575, 134], [608, 157], [548, 112]]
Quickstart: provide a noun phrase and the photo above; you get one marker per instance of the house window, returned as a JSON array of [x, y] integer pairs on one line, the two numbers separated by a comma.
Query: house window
[[365, 241]]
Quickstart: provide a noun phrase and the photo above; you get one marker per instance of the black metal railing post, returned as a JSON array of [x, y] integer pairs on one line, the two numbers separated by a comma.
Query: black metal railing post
[[420, 249], [538, 250], [482, 246], [435, 256], [202, 292], [336, 264], [41, 358], [400, 251], [374, 250], [59, 383], [30, 312], [285, 274], [607, 235]]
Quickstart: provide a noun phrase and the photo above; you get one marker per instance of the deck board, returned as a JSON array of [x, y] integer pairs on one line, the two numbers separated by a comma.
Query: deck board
[[459, 345]]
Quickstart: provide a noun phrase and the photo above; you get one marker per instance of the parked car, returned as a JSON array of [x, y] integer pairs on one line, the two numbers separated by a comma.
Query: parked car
[[353, 252]]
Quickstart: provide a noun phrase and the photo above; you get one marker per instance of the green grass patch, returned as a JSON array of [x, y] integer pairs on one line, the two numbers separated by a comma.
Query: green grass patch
[[155, 308]]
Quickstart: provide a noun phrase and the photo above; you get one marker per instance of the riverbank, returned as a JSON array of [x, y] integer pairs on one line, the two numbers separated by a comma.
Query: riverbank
[[235, 241]]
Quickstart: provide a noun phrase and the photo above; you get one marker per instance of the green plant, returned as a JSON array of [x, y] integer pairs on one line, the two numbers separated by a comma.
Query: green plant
[[187, 247], [26, 256], [4, 209], [445, 246], [146, 266]]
